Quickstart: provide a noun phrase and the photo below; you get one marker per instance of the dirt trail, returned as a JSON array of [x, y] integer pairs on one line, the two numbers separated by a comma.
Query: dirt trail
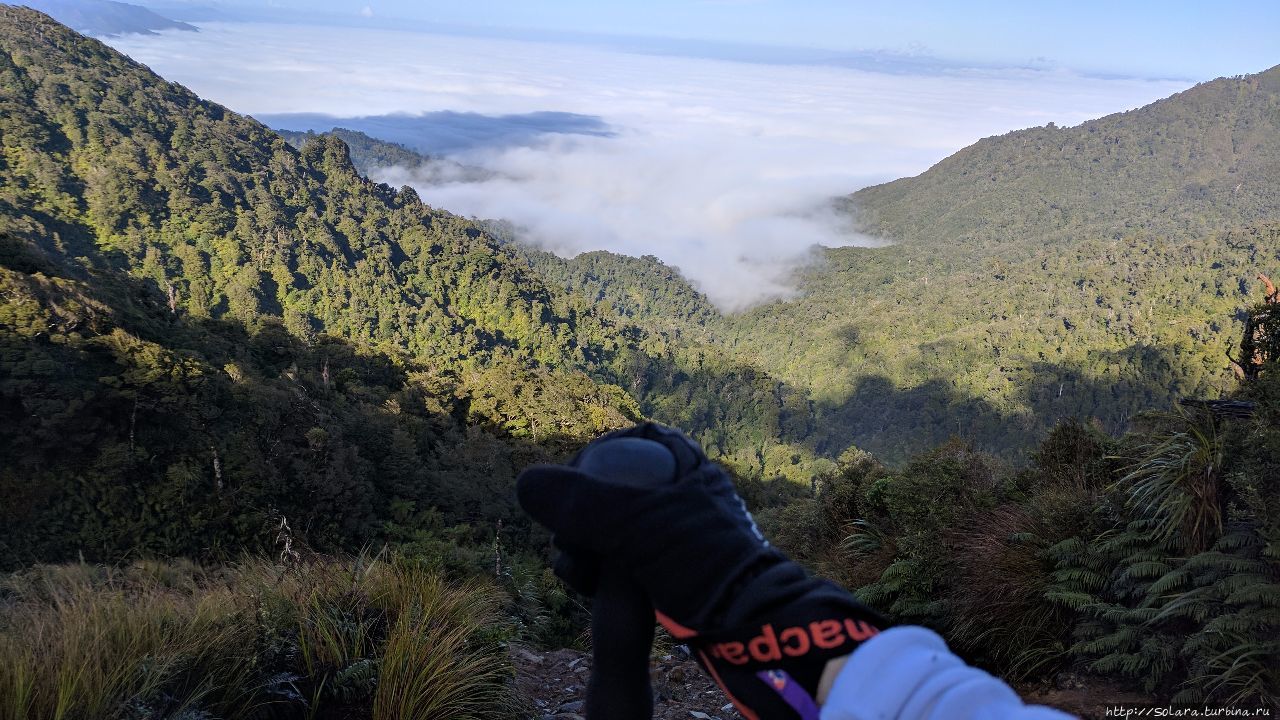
[[553, 685], [1085, 696]]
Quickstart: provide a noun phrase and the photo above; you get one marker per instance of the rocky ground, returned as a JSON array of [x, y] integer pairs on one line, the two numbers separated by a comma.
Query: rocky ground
[[552, 685]]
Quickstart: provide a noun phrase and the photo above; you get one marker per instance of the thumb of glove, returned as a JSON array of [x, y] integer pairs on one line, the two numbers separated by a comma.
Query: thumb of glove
[[585, 504], [583, 511]]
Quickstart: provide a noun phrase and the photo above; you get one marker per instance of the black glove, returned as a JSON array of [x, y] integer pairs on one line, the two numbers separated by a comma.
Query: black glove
[[621, 614], [758, 624]]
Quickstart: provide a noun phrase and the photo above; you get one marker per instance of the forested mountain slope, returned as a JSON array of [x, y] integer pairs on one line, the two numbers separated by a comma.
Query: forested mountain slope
[[367, 153], [1190, 165], [1045, 273], [683, 377], [204, 331], [132, 172], [1051, 272], [213, 343], [642, 290]]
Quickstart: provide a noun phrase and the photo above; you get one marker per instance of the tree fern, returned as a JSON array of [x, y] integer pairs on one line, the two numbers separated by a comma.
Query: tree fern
[[866, 538], [1175, 481]]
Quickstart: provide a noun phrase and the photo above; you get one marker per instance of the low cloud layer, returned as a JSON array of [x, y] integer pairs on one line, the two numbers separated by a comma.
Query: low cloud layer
[[736, 231], [724, 169]]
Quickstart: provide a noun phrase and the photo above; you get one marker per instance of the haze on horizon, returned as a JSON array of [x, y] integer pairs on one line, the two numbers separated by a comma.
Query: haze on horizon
[[722, 168], [1174, 39]]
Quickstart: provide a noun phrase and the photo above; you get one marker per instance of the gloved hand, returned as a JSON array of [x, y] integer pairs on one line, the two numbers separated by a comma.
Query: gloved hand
[[759, 625]]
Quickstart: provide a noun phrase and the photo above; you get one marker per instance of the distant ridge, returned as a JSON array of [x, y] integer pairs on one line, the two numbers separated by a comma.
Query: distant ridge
[[106, 17], [391, 162], [1200, 160]]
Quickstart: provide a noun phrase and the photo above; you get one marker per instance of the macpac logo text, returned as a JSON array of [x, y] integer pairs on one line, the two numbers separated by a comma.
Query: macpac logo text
[[771, 645]]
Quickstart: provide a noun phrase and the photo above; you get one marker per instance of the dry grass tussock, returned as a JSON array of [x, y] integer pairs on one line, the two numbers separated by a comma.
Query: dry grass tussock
[[361, 637]]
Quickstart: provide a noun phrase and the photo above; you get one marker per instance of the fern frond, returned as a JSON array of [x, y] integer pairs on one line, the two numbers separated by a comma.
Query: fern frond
[[1146, 569], [1073, 600], [1122, 638], [1066, 549], [1237, 541], [1187, 606], [1256, 593], [1079, 578], [1169, 581], [1188, 695], [1234, 624], [1227, 564]]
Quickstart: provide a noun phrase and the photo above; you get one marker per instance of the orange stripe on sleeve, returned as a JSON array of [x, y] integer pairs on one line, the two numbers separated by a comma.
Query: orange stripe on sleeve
[[677, 630]]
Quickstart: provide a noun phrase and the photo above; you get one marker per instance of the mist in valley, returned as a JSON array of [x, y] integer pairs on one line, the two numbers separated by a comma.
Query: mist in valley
[[724, 169]]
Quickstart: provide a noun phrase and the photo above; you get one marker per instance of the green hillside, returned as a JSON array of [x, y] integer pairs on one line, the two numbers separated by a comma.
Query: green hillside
[[1050, 272], [1190, 165], [131, 172], [366, 152], [250, 334], [643, 290], [682, 376], [200, 305]]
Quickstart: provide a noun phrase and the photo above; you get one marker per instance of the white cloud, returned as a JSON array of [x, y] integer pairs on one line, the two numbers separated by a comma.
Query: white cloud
[[719, 168]]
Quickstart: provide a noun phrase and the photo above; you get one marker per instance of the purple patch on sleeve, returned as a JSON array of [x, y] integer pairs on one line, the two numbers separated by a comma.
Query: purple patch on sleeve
[[791, 692]]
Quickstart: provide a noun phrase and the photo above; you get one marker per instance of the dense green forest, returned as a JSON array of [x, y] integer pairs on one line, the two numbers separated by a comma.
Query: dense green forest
[[245, 332], [1052, 272], [642, 290], [1152, 556], [367, 153]]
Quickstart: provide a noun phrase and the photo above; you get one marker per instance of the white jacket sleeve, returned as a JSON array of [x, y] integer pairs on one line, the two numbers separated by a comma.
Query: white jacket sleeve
[[907, 673]]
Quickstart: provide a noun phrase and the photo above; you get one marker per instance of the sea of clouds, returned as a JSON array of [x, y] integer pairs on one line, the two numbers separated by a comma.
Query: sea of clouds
[[724, 169]]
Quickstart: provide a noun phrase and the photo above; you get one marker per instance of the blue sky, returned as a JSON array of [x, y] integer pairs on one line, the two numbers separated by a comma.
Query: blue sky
[[1178, 39]]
